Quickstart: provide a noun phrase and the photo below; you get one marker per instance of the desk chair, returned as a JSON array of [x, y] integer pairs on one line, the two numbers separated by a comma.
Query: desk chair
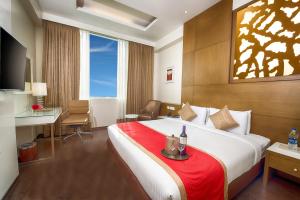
[[76, 116]]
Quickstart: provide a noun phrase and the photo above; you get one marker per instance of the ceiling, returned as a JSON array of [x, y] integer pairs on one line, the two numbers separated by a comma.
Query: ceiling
[[170, 14]]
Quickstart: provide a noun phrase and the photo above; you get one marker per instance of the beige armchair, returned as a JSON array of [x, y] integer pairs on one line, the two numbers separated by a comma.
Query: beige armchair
[[150, 111]]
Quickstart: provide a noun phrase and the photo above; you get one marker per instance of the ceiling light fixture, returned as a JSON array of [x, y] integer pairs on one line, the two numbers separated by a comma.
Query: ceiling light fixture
[[117, 12], [185, 12]]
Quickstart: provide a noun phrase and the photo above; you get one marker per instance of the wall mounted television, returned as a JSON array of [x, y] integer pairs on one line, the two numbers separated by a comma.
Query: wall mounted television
[[12, 62]]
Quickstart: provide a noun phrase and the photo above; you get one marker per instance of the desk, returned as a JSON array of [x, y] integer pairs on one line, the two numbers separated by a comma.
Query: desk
[[31, 118]]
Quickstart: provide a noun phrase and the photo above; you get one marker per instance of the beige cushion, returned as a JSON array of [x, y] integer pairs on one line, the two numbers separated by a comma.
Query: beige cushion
[[223, 119], [186, 112]]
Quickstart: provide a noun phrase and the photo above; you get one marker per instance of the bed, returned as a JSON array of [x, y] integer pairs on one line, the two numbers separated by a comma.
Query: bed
[[244, 166]]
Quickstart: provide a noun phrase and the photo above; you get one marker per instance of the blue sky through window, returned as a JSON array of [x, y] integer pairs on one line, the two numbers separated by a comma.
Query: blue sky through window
[[103, 66]]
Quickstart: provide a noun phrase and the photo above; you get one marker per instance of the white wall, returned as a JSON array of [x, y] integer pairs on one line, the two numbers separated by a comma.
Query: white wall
[[104, 110], [23, 29], [17, 22], [5, 7], [39, 53], [168, 57], [238, 3], [168, 53]]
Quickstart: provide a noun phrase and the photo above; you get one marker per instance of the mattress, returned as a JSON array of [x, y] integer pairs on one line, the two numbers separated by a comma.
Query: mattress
[[238, 153]]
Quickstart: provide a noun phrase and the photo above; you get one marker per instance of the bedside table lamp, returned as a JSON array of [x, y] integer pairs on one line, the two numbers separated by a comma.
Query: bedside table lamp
[[39, 90]]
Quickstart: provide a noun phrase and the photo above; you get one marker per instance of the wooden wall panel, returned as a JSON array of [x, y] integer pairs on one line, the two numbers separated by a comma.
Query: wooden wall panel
[[190, 39], [188, 76], [213, 25], [275, 128], [275, 105], [210, 69], [269, 99], [187, 94]]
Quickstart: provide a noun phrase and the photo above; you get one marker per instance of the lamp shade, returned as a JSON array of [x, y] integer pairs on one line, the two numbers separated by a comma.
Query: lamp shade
[[39, 89]]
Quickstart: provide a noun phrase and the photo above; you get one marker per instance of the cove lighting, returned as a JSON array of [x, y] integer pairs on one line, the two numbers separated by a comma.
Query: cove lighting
[[117, 12]]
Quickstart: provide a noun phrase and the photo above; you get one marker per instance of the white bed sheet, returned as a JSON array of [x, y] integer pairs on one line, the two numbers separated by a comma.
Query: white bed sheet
[[238, 153]]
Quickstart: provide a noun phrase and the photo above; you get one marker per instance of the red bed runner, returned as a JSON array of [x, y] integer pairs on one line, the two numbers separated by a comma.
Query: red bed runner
[[202, 175]]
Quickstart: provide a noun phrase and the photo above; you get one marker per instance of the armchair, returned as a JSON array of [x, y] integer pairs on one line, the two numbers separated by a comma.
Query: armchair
[[150, 111]]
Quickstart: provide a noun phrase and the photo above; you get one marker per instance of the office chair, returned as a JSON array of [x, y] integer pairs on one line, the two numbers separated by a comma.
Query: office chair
[[76, 117]]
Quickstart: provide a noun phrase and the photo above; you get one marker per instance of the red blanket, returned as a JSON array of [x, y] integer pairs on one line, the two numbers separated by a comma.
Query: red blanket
[[202, 175]]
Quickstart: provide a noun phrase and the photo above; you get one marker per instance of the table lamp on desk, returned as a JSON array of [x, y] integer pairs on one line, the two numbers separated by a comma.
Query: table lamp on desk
[[39, 90]]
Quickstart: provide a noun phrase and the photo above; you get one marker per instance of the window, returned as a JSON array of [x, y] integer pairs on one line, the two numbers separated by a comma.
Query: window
[[103, 66]]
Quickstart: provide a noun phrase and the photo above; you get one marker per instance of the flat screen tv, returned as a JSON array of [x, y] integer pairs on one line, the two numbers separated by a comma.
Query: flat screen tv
[[12, 62]]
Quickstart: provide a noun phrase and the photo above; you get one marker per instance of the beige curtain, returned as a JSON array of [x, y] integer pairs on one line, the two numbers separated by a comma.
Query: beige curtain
[[140, 76], [61, 63]]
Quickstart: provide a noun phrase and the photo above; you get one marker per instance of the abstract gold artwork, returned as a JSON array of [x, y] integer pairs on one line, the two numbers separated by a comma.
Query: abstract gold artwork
[[267, 40]]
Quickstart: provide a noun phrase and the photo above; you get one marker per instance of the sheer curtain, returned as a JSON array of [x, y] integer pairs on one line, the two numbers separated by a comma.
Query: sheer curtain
[[122, 77], [84, 90]]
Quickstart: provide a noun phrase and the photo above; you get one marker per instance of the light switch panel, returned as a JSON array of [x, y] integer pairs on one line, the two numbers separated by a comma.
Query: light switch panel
[[171, 108]]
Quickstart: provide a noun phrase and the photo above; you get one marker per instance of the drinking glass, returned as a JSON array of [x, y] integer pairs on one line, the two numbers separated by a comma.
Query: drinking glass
[[181, 148]]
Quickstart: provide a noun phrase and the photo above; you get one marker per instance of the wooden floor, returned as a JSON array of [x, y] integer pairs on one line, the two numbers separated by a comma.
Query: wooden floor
[[87, 171]]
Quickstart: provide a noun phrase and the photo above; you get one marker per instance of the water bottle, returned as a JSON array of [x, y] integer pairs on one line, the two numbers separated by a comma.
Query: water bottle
[[293, 140], [182, 141]]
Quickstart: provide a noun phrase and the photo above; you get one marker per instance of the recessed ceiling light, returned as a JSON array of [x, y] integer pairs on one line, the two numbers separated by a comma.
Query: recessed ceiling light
[[185, 12]]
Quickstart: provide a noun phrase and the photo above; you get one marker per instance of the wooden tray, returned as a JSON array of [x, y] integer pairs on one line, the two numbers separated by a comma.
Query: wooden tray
[[177, 157]]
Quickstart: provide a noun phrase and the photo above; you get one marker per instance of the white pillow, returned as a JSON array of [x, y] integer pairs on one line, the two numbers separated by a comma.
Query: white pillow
[[243, 118], [201, 115], [201, 112]]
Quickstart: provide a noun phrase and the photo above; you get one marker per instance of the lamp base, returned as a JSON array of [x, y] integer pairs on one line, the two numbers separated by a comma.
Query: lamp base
[[40, 101]]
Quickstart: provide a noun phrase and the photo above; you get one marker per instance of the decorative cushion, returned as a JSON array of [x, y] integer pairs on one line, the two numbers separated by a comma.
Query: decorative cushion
[[243, 118], [186, 113], [201, 115], [223, 119]]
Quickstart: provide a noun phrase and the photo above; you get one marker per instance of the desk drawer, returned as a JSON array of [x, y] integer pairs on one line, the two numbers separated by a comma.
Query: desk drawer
[[285, 164]]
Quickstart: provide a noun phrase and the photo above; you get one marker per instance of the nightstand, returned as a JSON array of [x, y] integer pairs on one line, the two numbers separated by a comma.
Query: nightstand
[[279, 157]]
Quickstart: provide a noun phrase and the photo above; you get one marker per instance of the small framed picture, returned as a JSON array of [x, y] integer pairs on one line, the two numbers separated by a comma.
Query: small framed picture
[[169, 74]]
